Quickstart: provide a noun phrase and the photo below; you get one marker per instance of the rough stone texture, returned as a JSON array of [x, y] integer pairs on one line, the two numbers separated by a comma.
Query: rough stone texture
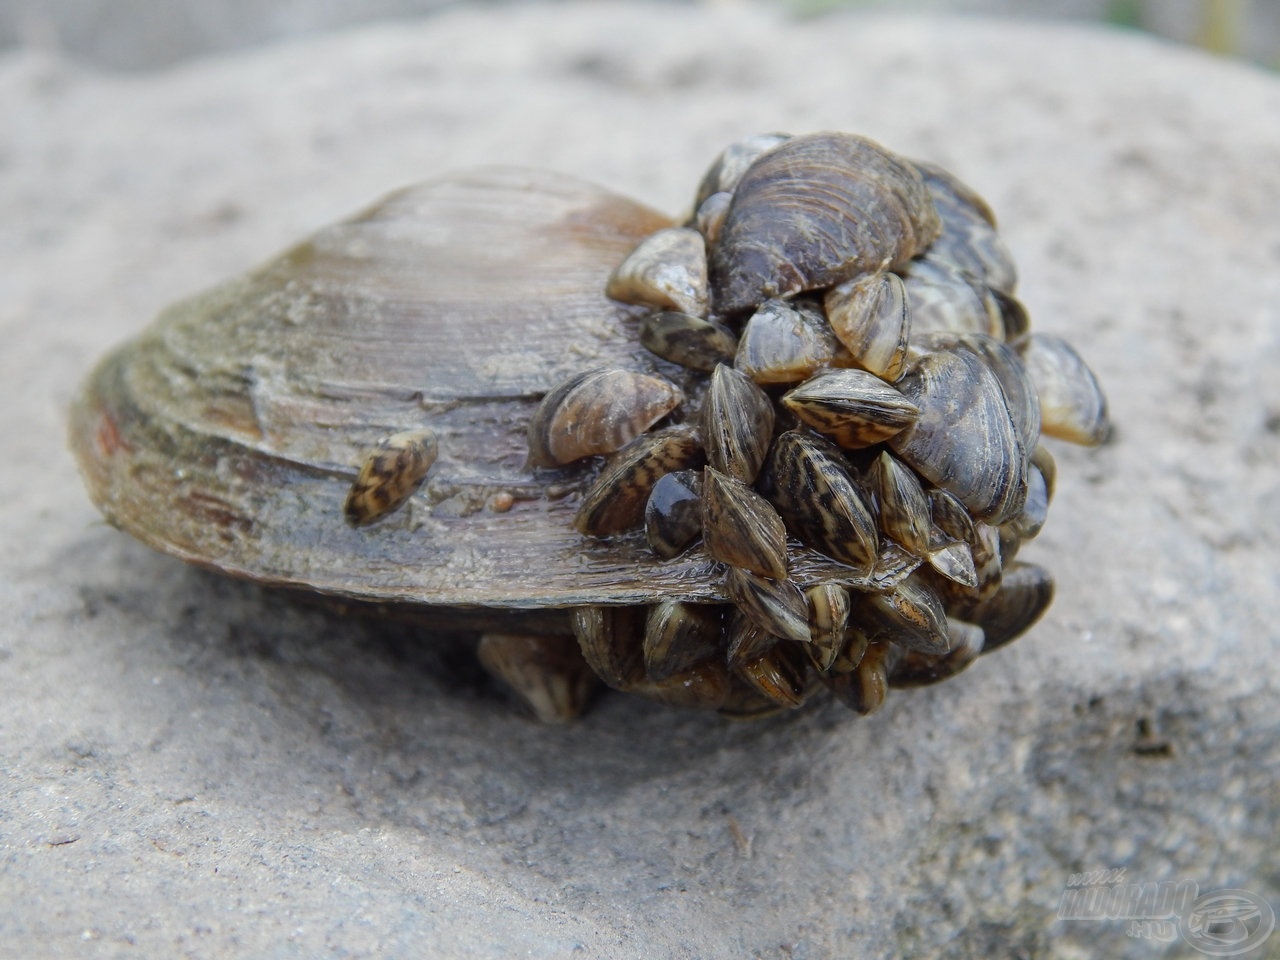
[[194, 767]]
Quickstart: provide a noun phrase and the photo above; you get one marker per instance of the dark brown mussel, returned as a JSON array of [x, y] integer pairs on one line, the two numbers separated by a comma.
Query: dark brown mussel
[[829, 608], [1024, 594], [911, 615], [673, 513], [778, 607], [781, 675], [815, 211], [915, 669], [727, 169], [904, 506], [611, 642], [864, 688]]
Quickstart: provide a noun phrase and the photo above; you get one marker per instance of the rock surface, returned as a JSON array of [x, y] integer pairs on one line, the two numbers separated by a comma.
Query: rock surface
[[195, 767]]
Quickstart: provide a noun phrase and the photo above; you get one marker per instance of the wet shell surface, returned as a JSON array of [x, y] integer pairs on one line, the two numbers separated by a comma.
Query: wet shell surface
[[495, 394]]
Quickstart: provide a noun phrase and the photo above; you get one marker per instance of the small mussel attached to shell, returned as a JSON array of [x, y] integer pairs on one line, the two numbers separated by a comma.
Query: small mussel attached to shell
[[789, 447]]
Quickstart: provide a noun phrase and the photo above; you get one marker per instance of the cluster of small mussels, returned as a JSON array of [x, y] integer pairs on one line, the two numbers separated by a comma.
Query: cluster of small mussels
[[867, 389]]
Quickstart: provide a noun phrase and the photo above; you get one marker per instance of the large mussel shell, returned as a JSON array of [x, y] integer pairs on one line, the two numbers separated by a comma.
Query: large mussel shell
[[814, 212], [230, 432]]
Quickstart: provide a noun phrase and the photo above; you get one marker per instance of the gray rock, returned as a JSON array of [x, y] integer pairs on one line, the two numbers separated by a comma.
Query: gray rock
[[196, 767]]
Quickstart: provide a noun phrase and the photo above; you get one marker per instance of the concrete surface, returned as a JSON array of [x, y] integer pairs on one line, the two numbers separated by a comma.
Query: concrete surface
[[197, 768]]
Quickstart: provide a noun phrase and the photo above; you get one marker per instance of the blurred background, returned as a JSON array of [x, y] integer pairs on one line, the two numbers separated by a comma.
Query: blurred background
[[146, 34]]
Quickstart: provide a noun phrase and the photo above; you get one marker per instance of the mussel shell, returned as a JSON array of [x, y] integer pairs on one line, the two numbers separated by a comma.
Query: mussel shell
[[964, 440], [785, 342], [855, 408], [740, 527], [616, 500], [819, 501], [727, 169], [611, 641], [687, 340], [597, 412], [548, 673], [390, 474], [871, 316], [1072, 404], [228, 433], [816, 211], [678, 636], [737, 424], [667, 270], [673, 513]]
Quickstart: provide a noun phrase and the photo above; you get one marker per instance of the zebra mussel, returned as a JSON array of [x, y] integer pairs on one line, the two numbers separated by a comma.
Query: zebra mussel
[[856, 382]]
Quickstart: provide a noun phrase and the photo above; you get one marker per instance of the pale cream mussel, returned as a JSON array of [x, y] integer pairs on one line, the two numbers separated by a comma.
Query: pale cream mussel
[[737, 424], [1024, 594], [871, 317], [667, 270], [785, 341], [855, 408], [1072, 404], [781, 675], [915, 669], [616, 500], [673, 513], [678, 636], [819, 501], [727, 169], [740, 527], [611, 640], [687, 340], [864, 688], [597, 412], [779, 607], [546, 672], [813, 212], [808, 482], [964, 440], [944, 299]]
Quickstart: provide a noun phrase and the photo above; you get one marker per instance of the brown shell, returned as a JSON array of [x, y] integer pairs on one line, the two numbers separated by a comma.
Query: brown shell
[[815, 211], [229, 432]]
